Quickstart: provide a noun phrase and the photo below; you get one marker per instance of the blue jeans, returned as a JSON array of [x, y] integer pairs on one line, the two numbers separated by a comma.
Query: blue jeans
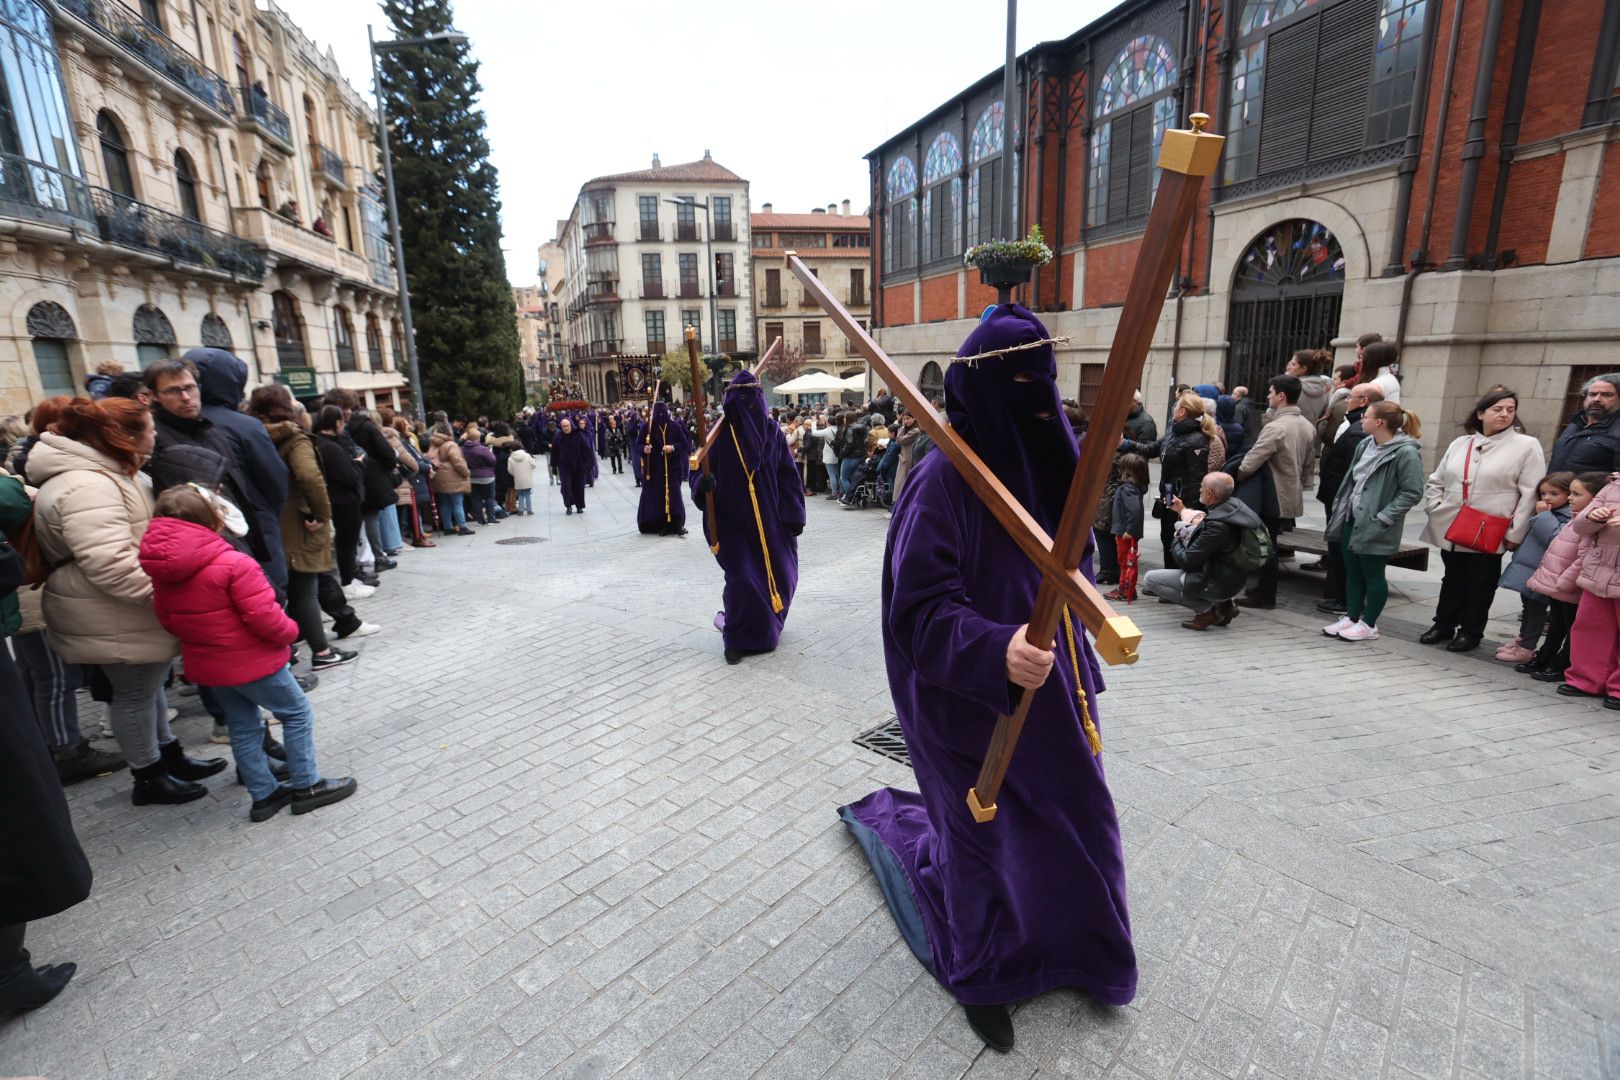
[[846, 475], [280, 694], [525, 500], [452, 514], [832, 478], [388, 525], [483, 502]]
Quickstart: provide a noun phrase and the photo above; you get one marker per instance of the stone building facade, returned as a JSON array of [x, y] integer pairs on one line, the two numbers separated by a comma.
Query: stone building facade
[[642, 260], [838, 246], [1456, 196], [539, 318], [140, 190]]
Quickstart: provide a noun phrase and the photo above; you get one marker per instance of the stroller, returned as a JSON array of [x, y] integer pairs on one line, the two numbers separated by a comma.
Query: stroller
[[868, 485]]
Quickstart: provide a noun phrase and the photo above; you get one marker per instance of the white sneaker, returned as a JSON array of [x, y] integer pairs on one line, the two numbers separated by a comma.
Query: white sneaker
[[1339, 627], [1359, 632], [355, 590], [365, 629]]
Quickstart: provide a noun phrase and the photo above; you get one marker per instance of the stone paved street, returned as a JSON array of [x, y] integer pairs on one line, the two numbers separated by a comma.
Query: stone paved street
[[583, 846]]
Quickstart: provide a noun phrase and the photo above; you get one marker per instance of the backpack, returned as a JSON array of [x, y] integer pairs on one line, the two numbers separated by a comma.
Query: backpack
[[1253, 551]]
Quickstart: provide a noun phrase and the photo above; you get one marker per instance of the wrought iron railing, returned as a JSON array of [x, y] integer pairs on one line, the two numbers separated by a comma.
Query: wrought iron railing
[[605, 289], [598, 230], [689, 290], [652, 290], [330, 163], [345, 358], [146, 42], [29, 189], [604, 347], [266, 114], [686, 230], [724, 230], [649, 230], [133, 224]]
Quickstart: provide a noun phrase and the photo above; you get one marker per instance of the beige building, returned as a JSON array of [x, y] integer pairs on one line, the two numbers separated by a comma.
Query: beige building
[[540, 346], [837, 246], [152, 204], [646, 254]]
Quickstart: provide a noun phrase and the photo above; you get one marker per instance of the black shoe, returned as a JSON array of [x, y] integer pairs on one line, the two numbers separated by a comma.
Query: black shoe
[[35, 988], [992, 1023], [306, 683], [336, 658], [1317, 567], [1548, 675], [1107, 579], [464, 531], [1463, 643], [1529, 667], [325, 792], [1611, 702], [1332, 607], [570, 512], [1434, 635], [278, 769], [368, 579], [273, 749], [265, 809], [1568, 690], [182, 767], [153, 784], [85, 761], [385, 564], [734, 656]]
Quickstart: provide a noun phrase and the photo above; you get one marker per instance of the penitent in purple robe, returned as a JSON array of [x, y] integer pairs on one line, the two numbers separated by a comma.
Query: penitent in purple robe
[[662, 508], [1035, 899], [571, 453], [760, 575]]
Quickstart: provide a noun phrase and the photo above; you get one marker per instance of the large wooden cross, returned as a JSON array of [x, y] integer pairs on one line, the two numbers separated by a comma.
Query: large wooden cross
[[701, 454], [1186, 158]]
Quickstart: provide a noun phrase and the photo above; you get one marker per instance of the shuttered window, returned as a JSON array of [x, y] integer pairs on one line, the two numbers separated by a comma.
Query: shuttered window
[[1135, 103]]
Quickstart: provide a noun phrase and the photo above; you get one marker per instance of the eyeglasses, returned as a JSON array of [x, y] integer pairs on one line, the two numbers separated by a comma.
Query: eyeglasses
[[187, 390]]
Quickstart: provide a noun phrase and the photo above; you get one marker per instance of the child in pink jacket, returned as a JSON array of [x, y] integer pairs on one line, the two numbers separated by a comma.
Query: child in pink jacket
[[234, 638], [1555, 578], [1594, 640]]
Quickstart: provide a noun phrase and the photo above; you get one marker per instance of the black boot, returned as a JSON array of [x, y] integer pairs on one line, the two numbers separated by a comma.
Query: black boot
[[993, 1024], [188, 768], [278, 769], [273, 749], [153, 784], [84, 761], [35, 987], [326, 791]]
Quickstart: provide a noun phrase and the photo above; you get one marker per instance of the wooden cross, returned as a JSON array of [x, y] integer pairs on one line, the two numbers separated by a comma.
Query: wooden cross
[[701, 454], [1186, 158]]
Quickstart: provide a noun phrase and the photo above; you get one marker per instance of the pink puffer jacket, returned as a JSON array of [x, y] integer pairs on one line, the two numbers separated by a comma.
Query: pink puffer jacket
[[1561, 566], [1600, 552]]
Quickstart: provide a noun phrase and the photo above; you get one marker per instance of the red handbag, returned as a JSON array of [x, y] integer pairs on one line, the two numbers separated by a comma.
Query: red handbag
[[1474, 529]]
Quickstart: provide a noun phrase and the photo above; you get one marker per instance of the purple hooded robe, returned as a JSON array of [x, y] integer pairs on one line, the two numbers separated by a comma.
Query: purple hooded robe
[[571, 453], [751, 623], [663, 506], [1035, 899]]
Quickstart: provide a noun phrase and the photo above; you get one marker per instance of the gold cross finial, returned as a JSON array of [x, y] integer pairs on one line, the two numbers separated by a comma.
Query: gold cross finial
[[1199, 122]]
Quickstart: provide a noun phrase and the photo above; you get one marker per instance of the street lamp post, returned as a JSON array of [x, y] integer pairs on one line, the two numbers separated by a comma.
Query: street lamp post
[[447, 37], [708, 249]]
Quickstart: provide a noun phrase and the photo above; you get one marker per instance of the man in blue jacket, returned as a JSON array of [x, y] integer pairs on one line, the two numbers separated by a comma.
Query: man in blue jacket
[[223, 379], [1591, 443]]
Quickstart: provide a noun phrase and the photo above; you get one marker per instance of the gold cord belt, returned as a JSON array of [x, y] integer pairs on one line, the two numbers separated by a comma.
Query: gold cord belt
[[759, 522], [1093, 738]]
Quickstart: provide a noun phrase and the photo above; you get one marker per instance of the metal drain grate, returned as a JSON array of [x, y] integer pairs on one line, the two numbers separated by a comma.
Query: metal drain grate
[[886, 739], [522, 540]]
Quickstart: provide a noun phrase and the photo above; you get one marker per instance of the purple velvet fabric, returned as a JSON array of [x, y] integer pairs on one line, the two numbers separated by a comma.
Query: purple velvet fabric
[[1034, 900], [571, 453], [663, 506], [750, 624]]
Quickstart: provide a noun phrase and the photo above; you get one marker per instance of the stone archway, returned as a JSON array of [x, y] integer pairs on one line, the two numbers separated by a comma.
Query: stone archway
[[1287, 293]]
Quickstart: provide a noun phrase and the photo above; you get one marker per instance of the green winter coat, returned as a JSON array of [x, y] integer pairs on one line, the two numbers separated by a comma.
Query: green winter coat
[[15, 506], [1395, 486]]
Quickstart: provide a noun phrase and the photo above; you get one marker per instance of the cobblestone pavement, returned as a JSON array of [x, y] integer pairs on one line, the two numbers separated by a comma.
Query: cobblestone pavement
[[583, 846]]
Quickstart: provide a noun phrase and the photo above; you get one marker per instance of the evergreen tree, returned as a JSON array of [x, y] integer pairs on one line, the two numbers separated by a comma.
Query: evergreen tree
[[449, 209]]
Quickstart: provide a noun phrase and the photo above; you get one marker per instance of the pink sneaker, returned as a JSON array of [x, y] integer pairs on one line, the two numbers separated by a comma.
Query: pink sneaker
[[1339, 627], [1514, 653], [1359, 632]]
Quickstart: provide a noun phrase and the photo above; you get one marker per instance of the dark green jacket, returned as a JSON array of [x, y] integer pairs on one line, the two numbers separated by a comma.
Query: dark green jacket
[[1395, 486], [15, 506]]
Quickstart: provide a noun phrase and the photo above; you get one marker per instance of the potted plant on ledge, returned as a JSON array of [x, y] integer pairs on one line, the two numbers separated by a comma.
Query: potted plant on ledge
[[1004, 264]]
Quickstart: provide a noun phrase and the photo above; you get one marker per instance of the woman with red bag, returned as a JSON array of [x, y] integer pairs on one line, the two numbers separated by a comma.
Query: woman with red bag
[[1480, 499]]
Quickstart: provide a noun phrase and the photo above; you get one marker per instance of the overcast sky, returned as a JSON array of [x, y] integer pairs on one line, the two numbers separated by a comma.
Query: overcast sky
[[788, 96]]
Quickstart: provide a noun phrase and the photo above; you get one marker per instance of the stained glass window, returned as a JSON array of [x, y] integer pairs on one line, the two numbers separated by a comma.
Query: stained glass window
[[1259, 14], [988, 133], [1143, 68], [1395, 63], [944, 158], [902, 179], [1243, 113]]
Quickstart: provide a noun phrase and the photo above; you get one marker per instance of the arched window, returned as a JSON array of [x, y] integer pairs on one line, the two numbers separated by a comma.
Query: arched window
[[1135, 103], [932, 381], [114, 155], [261, 180], [1328, 104], [343, 340], [900, 228], [52, 330], [309, 121], [942, 197], [36, 124], [215, 334], [185, 184], [1287, 294], [396, 344], [374, 351], [289, 329], [154, 335], [244, 61], [984, 172]]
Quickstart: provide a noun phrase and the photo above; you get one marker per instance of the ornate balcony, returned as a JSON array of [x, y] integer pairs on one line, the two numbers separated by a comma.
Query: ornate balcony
[[604, 347], [31, 190], [686, 230], [652, 290], [146, 43], [261, 114], [133, 224], [599, 232], [649, 231], [330, 164]]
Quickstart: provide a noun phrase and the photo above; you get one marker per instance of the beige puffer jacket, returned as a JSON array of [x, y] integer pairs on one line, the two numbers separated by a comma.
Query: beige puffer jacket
[[98, 607]]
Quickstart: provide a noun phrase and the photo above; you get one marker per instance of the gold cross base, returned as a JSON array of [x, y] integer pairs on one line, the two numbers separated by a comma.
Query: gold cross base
[[981, 813]]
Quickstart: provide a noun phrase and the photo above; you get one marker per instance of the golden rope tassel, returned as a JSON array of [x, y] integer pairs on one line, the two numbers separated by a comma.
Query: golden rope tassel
[[1093, 737], [759, 521]]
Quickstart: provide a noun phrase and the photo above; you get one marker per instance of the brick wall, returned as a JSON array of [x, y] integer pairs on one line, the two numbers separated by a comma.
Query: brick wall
[[1603, 239], [897, 305], [1108, 272], [1532, 195], [939, 297], [1563, 64]]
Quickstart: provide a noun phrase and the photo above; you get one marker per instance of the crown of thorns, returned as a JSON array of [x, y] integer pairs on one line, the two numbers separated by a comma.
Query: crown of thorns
[[976, 357]]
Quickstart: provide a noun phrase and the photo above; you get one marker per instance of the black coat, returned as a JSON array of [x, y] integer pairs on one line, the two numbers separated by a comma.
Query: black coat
[[1206, 555], [378, 472], [1139, 426], [1587, 447], [1185, 458], [223, 381], [43, 870], [344, 483], [1335, 462]]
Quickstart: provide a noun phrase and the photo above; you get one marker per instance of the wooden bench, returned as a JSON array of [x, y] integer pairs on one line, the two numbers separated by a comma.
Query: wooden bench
[[1314, 542]]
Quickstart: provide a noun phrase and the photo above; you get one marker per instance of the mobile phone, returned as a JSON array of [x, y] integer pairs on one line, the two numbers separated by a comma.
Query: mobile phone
[[1169, 491]]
